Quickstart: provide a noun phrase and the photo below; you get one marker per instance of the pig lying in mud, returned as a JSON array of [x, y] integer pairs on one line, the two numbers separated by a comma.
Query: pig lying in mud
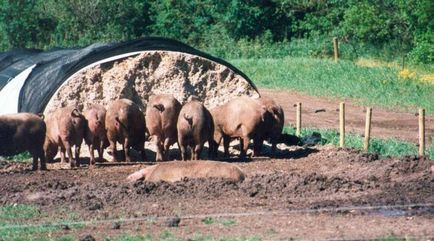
[[176, 171], [161, 117], [95, 137], [23, 132], [241, 117], [195, 127], [125, 124], [65, 128]]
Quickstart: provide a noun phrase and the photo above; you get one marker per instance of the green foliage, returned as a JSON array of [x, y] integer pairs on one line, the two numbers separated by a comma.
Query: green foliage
[[397, 28], [23, 24]]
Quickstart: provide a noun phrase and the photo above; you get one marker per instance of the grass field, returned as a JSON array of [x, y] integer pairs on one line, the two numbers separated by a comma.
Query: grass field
[[12, 217], [376, 84]]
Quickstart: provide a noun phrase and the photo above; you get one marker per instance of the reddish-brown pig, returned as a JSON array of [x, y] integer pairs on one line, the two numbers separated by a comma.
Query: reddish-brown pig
[[95, 137], [23, 132], [195, 127], [241, 117], [177, 171], [125, 124], [65, 129], [161, 117], [273, 123]]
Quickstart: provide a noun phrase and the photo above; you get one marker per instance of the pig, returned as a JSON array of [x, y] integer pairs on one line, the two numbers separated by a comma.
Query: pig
[[95, 137], [23, 132], [65, 129], [177, 171], [241, 117], [195, 127], [125, 124], [273, 124], [161, 117]]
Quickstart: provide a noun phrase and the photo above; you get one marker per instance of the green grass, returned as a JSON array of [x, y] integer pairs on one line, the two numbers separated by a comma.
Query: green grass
[[383, 147], [22, 157], [208, 220], [16, 224], [323, 77]]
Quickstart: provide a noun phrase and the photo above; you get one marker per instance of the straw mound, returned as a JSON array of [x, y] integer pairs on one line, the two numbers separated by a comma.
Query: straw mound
[[152, 72]]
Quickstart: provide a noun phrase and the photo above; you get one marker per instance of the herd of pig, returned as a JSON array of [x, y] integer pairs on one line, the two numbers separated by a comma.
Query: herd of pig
[[165, 122]]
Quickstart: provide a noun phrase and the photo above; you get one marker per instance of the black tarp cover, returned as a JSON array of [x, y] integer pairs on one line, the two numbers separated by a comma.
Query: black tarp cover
[[55, 66]]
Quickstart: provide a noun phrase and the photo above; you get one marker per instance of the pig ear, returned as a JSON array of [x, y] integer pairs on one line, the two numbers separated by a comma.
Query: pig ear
[[75, 113]]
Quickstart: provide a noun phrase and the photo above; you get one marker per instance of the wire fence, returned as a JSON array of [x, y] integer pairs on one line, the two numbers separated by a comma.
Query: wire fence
[[227, 215]]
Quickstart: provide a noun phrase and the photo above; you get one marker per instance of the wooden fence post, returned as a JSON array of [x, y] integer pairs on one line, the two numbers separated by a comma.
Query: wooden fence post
[[336, 48], [421, 132], [298, 120], [367, 129], [342, 124]]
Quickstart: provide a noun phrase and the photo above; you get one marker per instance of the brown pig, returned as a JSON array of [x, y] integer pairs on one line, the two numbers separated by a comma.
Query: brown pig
[[176, 171], [161, 116], [95, 137], [125, 124], [273, 123], [23, 132], [241, 117], [65, 128], [195, 127]]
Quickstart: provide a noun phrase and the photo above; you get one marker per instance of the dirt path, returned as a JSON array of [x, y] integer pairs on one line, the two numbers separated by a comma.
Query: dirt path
[[321, 112]]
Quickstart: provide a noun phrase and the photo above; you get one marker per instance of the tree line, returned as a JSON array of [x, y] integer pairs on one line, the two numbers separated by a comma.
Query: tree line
[[403, 26]]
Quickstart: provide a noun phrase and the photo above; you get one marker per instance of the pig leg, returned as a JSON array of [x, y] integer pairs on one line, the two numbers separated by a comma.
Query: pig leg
[[159, 156], [35, 161], [244, 146], [62, 155], [183, 149], [77, 155], [126, 146], [257, 146], [226, 141], [212, 149], [42, 159], [69, 151], [113, 148], [100, 150], [196, 151], [92, 156], [167, 143], [50, 151]]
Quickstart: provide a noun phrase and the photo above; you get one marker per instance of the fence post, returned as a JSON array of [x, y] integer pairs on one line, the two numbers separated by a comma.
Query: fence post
[[421, 132], [342, 124], [336, 48], [298, 120], [367, 129]]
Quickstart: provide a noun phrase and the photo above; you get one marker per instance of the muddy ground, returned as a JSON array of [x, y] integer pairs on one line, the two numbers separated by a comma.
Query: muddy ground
[[318, 192]]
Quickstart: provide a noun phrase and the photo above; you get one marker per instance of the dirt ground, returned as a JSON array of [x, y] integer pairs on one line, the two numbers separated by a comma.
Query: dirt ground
[[315, 193], [321, 112], [319, 192]]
